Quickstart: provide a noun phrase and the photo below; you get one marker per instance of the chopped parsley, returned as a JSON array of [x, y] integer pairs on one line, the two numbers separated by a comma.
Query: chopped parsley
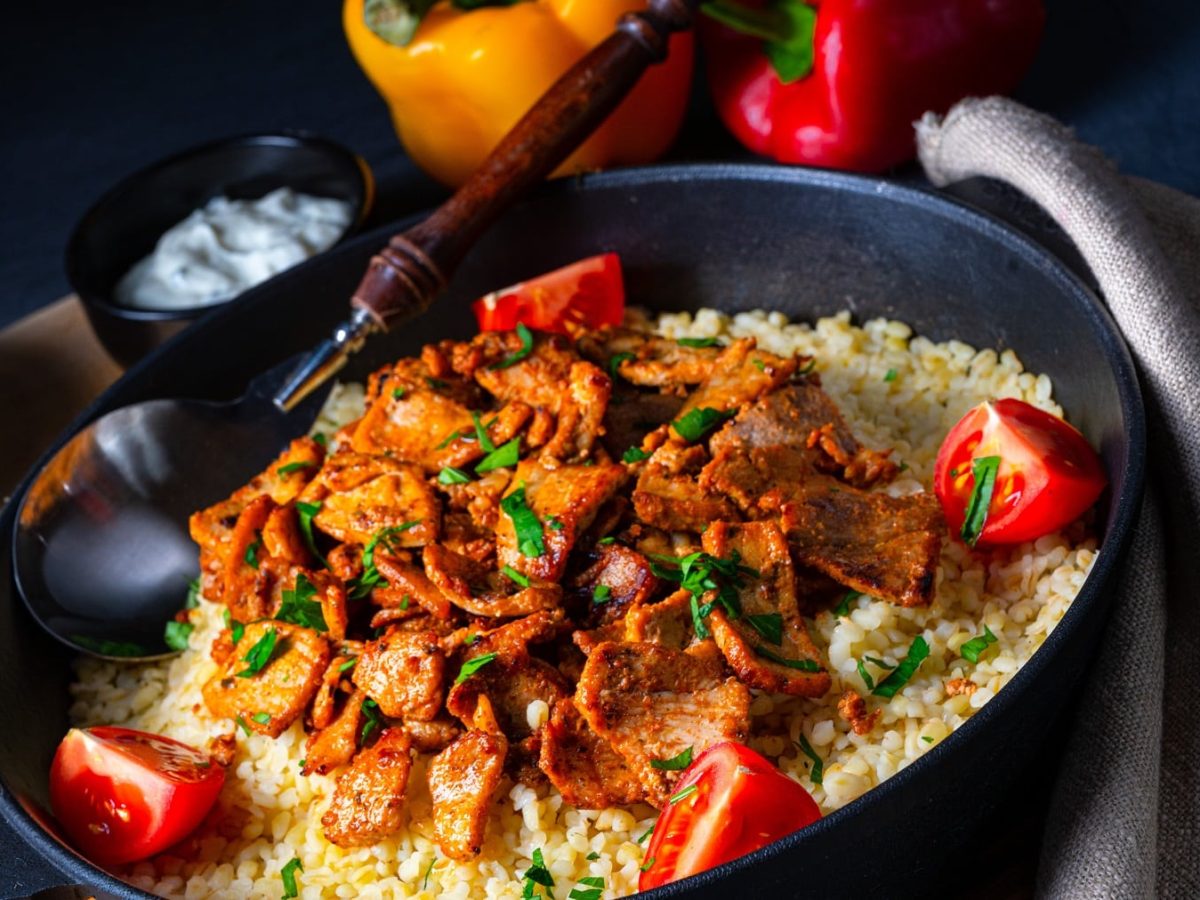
[[251, 555], [927, 739], [593, 856], [843, 608], [471, 666], [803, 665], [306, 511], [294, 467], [530, 538], [917, 652], [645, 867], [683, 794], [299, 607], [769, 625], [697, 342], [449, 439], [398, 393], [320, 438], [514, 575], [481, 433], [193, 594], [261, 718], [526, 337], [537, 874], [865, 675], [500, 457], [696, 423], [890, 375], [176, 634], [374, 721], [808, 368], [288, 875], [649, 831], [451, 475], [259, 655], [601, 593], [554, 523], [971, 649], [593, 888], [605, 541], [428, 869], [236, 628], [635, 454], [818, 767], [759, 364], [984, 471], [700, 573], [241, 723], [348, 664], [676, 763], [109, 648], [614, 362], [370, 576], [436, 384]]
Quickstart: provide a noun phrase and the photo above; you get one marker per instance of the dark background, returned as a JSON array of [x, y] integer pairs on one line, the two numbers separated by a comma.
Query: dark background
[[95, 90]]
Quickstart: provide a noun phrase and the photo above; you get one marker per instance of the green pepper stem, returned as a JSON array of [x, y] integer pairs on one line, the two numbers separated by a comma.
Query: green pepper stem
[[769, 24]]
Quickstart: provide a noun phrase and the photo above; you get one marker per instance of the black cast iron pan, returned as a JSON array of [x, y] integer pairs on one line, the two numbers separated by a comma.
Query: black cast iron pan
[[736, 237]]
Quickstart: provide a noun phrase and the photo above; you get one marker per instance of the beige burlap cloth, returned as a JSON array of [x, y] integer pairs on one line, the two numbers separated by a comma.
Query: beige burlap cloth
[[1125, 816]]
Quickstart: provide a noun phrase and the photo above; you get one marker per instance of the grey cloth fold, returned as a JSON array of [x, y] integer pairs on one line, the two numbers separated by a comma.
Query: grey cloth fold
[[1125, 815]]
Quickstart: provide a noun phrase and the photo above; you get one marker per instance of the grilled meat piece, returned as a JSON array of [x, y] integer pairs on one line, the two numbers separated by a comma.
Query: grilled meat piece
[[275, 696], [511, 681], [569, 495], [368, 802], [884, 546], [667, 623], [668, 495], [740, 375], [335, 744], [651, 702], [325, 699], [407, 580], [403, 672], [767, 645], [434, 736], [619, 579], [463, 778], [656, 361], [583, 766]]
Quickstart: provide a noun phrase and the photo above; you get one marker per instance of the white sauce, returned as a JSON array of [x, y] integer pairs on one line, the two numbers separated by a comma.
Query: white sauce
[[228, 246]]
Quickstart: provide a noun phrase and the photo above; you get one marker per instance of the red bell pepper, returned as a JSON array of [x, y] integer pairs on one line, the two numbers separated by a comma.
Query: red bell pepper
[[839, 83]]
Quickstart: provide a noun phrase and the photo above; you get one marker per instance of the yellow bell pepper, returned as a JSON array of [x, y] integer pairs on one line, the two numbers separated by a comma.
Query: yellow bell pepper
[[467, 76]]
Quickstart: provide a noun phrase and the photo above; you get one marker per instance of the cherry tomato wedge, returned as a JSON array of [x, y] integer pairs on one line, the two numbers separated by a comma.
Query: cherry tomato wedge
[[1047, 476], [585, 294], [728, 803], [123, 795]]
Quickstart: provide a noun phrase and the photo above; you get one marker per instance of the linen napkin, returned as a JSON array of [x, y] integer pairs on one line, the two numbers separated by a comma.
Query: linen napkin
[[1125, 816]]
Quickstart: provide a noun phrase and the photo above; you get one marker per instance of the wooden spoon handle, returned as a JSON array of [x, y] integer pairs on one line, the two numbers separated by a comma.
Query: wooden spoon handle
[[404, 277]]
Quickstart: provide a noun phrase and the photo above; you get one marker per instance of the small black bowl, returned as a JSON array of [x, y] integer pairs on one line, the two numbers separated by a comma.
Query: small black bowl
[[124, 225]]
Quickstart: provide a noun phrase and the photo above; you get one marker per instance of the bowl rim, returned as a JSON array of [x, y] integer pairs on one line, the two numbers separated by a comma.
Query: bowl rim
[[341, 155], [1116, 539]]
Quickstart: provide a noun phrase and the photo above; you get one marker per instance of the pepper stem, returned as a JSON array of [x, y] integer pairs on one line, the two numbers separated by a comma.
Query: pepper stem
[[770, 23], [786, 28]]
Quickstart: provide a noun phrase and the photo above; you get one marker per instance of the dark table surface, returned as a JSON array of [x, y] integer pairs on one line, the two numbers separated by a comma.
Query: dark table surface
[[93, 91]]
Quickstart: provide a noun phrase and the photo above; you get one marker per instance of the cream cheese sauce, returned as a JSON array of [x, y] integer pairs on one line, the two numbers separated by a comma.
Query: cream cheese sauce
[[228, 246]]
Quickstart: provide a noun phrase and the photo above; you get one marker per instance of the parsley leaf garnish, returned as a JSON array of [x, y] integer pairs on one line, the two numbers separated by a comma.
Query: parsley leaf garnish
[[679, 761], [700, 573], [261, 718], [481, 435], [696, 423], [451, 475], [594, 885], [890, 375], [370, 576], [614, 362], [697, 342], [176, 634], [554, 523], [241, 723], [649, 831], [769, 625], [514, 575], [601, 593], [530, 538], [250, 557], [645, 867], [370, 711], [865, 675], [288, 875], [398, 393], [306, 511], [348, 664], [193, 594], [843, 608], [971, 649], [818, 767], [983, 471], [804, 665], [500, 457], [436, 384], [683, 794], [236, 628], [471, 666], [917, 652], [537, 874], [526, 337], [593, 856], [425, 880], [294, 467], [260, 654], [635, 454], [299, 608]]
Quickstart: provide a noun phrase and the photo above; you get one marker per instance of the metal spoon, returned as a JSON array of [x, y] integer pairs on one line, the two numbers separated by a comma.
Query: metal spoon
[[101, 553]]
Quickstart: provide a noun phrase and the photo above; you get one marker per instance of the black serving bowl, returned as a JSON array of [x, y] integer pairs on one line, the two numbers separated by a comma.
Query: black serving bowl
[[736, 237], [124, 225]]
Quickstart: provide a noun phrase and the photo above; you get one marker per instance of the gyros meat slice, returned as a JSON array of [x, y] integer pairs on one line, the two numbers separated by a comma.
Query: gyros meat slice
[[648, 360], [510, 681], [268, 680], [463, 779], [547, 507], [587, 771], [368, 802], [620, 578], [404, 672], [652, 703], [884, 546], [360, 496], [740, 375], [668, 495], [432, 737], [483, 591], [335, 744], [767, 644], [667, 623]]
